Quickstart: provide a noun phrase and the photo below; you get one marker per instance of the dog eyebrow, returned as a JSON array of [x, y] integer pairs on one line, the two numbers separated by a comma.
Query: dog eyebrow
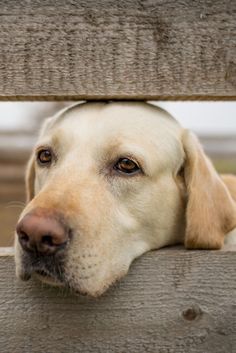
[[41, 146], [52, 141]]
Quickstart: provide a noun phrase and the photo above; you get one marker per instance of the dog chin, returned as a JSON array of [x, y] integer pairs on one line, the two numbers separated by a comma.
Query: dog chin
[[25, 275], [83, 287], [98, 289], [77, 290]]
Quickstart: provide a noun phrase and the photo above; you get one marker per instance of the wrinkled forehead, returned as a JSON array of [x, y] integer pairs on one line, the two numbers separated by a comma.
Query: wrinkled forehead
[[114, 124]]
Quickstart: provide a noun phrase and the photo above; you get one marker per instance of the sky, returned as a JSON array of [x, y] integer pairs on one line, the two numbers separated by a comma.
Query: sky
[[202, 117]]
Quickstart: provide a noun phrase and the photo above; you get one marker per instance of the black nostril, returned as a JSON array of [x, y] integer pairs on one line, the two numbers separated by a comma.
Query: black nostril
[[47, 240], [23, 237], [70, 233]]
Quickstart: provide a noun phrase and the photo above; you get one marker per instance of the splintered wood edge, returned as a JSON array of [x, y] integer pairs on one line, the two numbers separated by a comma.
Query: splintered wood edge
[[9, 251]]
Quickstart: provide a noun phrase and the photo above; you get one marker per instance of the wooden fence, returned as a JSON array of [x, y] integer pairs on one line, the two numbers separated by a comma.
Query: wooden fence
[[129, 49], [172, 301]]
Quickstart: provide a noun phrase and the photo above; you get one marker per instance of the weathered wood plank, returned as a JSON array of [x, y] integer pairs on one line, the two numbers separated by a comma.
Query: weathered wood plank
[[95, 49], [172, 301]]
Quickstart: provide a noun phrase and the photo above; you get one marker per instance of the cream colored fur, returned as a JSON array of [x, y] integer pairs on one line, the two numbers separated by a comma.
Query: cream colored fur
[[179, 197]]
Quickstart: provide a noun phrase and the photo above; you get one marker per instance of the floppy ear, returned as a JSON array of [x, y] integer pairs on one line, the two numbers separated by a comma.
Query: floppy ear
[[211, 211], [29, 179]]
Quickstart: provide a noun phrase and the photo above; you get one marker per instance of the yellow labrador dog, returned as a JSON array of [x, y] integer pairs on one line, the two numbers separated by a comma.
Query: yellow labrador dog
[[109, 181]]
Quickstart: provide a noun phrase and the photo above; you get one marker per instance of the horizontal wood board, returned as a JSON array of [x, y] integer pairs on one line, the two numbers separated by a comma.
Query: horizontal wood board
[[172, 301], [108, 49]]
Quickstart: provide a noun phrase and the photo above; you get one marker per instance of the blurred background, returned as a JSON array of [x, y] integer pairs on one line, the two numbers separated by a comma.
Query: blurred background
[[213, 122]]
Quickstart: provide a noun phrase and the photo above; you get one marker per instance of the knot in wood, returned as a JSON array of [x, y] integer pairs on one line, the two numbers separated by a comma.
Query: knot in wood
[[192, 313]]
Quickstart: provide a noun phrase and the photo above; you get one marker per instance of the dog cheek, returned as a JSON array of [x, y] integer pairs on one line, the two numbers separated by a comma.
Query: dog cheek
[[92, 265]]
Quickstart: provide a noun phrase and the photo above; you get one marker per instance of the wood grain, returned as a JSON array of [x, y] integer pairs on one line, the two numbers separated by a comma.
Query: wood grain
[[108, 49], [172, 301]]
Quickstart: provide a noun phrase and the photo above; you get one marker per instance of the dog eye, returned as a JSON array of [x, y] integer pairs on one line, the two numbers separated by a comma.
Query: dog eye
[[44, 157], [126, 165]]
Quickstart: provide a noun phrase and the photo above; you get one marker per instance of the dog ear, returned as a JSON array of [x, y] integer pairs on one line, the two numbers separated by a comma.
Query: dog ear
[[211, 211], [29, 179]]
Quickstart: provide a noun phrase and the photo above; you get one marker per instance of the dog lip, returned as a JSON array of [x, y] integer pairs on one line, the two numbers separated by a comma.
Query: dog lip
[[45, 267], [46, 273], [25, 276], [48, 278], [42, 273]]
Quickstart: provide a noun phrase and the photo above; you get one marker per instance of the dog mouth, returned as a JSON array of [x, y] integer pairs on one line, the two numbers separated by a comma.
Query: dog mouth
[[47, 268], [42, 273], [53, 276]]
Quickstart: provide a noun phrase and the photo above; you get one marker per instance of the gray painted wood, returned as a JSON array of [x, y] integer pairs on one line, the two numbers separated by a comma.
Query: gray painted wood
[[172, 301], [129, 49]]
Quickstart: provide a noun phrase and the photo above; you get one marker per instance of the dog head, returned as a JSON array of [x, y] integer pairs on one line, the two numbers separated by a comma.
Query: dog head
[[108, 182]]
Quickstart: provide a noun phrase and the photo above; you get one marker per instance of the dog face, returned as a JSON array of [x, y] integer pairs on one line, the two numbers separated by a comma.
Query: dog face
[[108, 182]]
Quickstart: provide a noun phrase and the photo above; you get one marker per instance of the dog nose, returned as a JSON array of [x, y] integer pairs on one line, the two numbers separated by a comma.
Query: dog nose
[[45, 235]]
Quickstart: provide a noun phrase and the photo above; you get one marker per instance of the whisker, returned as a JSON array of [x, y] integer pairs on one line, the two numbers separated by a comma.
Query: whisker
[[15, 204]]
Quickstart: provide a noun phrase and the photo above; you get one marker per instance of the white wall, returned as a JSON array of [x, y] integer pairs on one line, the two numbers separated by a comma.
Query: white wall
[[203, 117]]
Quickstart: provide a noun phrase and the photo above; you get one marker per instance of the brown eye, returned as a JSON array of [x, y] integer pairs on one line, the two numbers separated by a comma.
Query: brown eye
[[126, 165], [44, 157]]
